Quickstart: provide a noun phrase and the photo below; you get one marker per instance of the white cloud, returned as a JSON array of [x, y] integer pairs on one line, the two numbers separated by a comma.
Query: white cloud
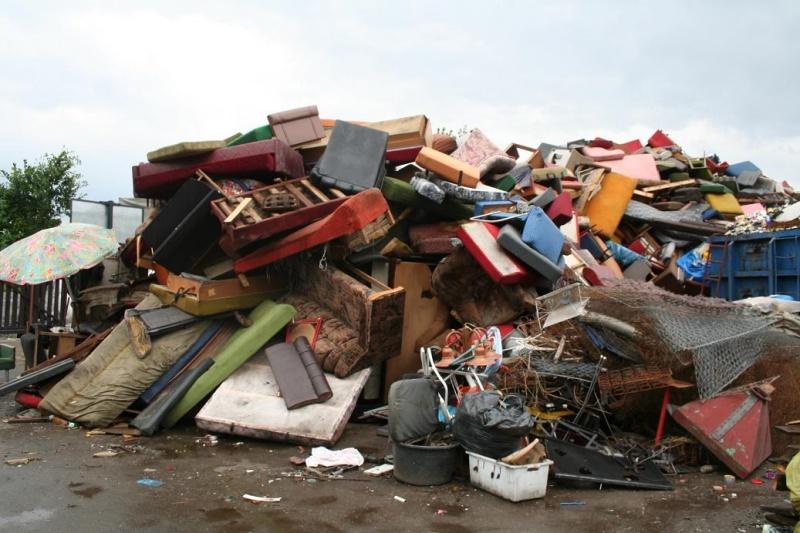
[[112, 81]]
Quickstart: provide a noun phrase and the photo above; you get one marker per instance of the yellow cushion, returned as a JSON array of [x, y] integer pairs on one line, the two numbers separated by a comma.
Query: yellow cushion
[[605, 210], [724, 203]]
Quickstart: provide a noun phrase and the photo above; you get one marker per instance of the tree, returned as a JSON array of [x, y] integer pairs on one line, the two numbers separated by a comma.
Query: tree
[[33, 197]]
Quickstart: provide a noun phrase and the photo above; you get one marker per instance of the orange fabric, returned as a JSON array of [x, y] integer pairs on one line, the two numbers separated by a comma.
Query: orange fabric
[[605, 210]]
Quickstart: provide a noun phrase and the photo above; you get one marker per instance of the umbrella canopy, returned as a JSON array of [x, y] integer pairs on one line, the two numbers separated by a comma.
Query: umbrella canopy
[[55, 253]]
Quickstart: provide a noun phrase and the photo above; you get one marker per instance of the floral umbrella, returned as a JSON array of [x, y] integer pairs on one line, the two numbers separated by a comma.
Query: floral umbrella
[[56, 253]]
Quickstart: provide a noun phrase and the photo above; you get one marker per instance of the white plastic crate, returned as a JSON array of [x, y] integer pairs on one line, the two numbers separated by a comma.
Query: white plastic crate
[[512, 482]]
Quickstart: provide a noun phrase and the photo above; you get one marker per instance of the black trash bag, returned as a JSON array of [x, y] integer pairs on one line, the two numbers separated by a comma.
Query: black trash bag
[[413, 408], [491, 425]]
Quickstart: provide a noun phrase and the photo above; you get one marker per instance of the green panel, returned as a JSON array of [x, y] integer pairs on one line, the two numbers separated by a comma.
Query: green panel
[[268, 319], [714, 188], [506, 183], [262, 133]]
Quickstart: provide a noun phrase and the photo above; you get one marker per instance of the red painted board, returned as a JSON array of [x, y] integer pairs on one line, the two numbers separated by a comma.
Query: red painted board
[[480, 239], [745, 445], [352, 215]]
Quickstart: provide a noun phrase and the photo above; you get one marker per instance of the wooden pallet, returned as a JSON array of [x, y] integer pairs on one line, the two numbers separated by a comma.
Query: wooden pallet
[[264, 212]]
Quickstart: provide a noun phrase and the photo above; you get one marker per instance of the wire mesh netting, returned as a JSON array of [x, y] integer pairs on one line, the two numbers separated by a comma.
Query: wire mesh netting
[[721, 339]]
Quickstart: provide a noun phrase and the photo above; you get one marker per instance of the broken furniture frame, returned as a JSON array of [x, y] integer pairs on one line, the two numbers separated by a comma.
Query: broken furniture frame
[[270, 210]]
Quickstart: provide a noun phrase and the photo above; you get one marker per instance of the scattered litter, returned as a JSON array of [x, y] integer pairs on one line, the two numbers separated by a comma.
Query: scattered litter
[[379, 470], [260, 499], [151, 483], [400, 499], [207, 440], [21, 461], [321, 456], [105, 453], [574, 503]]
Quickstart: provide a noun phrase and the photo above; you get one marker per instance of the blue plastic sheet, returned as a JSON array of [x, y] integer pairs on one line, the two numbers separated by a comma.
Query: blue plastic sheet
[[692, 264]]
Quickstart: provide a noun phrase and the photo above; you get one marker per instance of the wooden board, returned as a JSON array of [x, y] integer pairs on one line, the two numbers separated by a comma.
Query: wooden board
[[670, 185], [422, 314], [249, 404]]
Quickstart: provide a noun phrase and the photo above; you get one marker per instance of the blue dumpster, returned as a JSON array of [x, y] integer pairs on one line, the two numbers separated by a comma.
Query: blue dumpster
[[757, 264]]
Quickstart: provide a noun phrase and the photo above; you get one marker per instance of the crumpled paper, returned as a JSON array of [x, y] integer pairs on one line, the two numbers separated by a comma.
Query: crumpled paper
[[322, 456]]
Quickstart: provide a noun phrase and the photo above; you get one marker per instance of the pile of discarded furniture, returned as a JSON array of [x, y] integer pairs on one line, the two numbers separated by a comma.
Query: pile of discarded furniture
[[548, 310]]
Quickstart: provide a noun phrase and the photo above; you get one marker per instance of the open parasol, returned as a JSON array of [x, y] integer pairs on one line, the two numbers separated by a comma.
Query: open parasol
[[55, 253]]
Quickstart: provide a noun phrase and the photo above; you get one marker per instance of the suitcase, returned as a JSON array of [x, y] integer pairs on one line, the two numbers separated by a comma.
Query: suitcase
[[480, 239], [355, 159]]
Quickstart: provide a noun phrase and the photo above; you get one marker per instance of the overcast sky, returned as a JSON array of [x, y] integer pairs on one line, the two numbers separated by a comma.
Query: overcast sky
[[112, 81]]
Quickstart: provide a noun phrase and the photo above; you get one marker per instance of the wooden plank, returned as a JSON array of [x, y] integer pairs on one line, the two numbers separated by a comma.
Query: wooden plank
[[297, 193], [642, 194], [670, 185], [5, 305], [422, 312], [337, 193], [236, 212], [316, 192]]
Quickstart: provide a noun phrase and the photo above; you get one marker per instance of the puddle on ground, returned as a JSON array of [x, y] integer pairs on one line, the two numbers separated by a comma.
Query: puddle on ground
[[26, 518], [222, 514], [440, 527], [360, 516], [320, 500]]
